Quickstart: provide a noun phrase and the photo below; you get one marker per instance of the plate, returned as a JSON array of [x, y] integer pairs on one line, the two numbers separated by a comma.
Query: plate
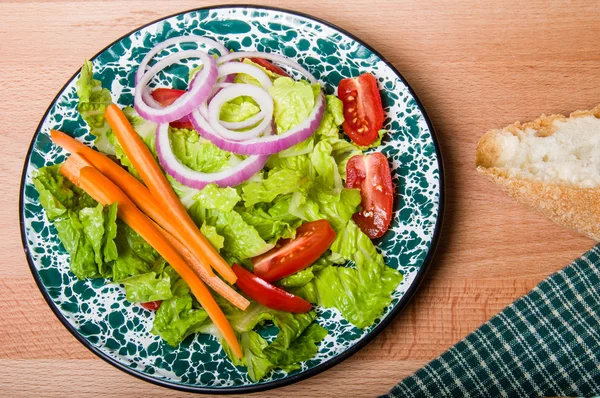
[[96, 312]]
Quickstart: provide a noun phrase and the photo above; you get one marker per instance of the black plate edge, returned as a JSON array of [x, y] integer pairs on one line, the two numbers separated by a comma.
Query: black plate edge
[[296, 377]]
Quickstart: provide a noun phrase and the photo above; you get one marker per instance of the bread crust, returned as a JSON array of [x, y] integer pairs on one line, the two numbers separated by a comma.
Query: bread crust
[[573, 207]]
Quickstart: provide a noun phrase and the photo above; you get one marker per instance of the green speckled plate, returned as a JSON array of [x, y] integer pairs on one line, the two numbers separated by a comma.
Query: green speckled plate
[[96, 312]]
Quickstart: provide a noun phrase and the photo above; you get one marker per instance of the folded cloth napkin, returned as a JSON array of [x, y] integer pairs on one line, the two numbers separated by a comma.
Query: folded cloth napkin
[[547, 343]]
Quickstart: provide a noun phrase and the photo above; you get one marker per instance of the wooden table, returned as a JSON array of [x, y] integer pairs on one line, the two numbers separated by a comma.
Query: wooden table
[[474, 64]]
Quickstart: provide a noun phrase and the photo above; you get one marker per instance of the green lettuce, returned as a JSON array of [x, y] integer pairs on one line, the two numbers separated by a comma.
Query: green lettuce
[[299, 350], [210, 232], [176, 319], [160, 283], [253, 346], [238, 109], [213, 197], [240, 239], [269, 229], [333, 117], [293, 101], [71, 234], [135, 255], [360, 293], [109, 246], [93, 101], [92, 220], [278, 182], [197, 153], [328, 175], [296, 339], [57, 194]]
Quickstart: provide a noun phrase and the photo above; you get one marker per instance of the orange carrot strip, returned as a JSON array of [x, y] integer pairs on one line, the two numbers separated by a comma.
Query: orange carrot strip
[[104, 191], [213, 281], [136, 191], [159, 186], [72, 168]]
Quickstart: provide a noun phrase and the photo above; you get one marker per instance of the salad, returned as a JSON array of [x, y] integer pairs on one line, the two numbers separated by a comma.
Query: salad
[[232, 206]]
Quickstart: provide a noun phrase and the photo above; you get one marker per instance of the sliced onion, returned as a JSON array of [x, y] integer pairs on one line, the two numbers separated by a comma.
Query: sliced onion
[[143, 66], [262, 97], [266, 145], [226, 178], [271, 57], [176, 40], [200, 88], [239, 67]]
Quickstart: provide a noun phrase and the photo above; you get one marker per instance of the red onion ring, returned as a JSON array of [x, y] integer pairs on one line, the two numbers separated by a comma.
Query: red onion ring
[[271, 57], [200, 88]]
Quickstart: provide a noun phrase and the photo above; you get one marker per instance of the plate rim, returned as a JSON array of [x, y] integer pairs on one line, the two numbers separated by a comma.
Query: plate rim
[[288, 380]]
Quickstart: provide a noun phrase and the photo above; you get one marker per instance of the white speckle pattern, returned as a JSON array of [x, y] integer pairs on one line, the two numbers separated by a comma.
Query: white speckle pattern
[[98, 310]]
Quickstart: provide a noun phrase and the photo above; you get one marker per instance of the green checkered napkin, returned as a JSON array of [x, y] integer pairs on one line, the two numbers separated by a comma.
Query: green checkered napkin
[[547, 343]]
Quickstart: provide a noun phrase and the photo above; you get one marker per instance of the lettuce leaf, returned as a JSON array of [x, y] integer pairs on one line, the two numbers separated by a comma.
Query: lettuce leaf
[[57, 194], [197, 153], [278, 182], [210, 232], [238, 109], [293, 101], [359, 293], [160, 283], [240, 239], [176, 319], [109, 246], [92, 220], [93, 101], [253, 346], [135, 255], [301, 349], [72, 235], [213, 197], [328, 175], [269, 229], [290, 327], [296, 339]]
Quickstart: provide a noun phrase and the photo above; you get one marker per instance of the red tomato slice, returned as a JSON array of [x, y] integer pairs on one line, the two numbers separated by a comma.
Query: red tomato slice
[[292, 255], [268, 295], [165, 97], [371, 173], [152, 305], [269, 66], [363, 112]]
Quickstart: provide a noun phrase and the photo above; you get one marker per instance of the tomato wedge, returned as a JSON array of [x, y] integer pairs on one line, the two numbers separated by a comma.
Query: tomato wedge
[[165, 97], [292, 255], [152, 305], [363, 112], [269, 66], [268, 295], [371, 174]]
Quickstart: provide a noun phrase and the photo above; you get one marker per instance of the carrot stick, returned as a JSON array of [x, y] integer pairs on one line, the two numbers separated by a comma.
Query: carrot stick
[[213, 281], [72, 169], [136, 191], [104, 191], [157, 183]]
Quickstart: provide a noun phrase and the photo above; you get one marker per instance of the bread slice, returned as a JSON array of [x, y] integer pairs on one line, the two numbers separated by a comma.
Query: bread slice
[[551, 164]]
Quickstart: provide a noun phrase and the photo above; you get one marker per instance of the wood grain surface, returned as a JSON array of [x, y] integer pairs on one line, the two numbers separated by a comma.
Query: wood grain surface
[[475, 65]]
